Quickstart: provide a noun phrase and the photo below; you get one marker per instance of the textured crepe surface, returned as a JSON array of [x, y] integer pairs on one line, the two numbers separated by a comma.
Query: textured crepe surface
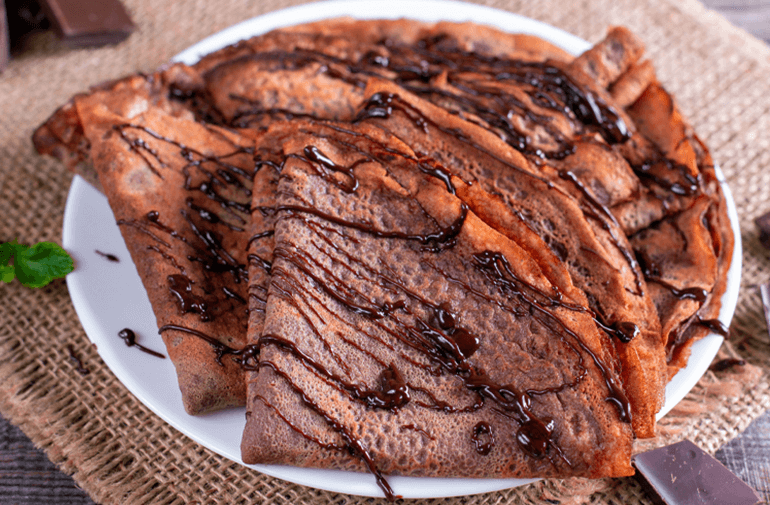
[[358, 354]]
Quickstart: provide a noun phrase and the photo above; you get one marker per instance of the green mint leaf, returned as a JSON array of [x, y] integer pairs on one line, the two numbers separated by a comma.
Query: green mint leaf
[[38, 265], [7, 249], [6, 273]]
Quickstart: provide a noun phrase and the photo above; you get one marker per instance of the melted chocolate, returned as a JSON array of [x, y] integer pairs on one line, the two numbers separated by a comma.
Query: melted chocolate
[[262, 263], [215, 257], [687, 185], [219, 197], [209, 216], [652, 274], [483, 438], [129, 337], [457, 343], [352, 443], [232, 294], [393, 392], [715, 325], [316, 157], [534, 437], [434, 339], [606, 219], [445, 342], [107, 256], [413, 67], [259, 236], [697, 294], [79, 367], [436, 241], [625, 331], [246, 358], [181, 287]]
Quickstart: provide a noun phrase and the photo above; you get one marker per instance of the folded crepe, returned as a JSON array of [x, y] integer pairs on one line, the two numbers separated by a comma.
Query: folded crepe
[[180, 192], [573, 230], [405, 336]]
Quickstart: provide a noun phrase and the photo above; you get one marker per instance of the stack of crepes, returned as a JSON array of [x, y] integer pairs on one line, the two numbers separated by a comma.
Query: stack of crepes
[[414, 249]]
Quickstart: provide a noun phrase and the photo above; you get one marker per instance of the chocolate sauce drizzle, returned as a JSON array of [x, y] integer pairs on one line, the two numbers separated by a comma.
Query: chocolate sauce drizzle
[[483, 438], [442, 238], [625, 331], [107, 256], [715, 325], [480, 83], [129, 337], [382, 105], [479, 86], [181, 287], [651, 172], [652, 274], [477, 79], [497, 268], [246, 357], [79, 367], [220, 193]]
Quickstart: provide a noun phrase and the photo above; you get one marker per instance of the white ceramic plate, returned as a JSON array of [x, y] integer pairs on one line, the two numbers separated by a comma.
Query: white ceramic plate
[[109, 296]]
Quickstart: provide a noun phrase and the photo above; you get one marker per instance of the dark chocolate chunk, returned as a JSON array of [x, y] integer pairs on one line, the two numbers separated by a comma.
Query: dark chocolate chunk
[[682, 474], [763, 223], [5, 42], [23, 18], [89, 22]]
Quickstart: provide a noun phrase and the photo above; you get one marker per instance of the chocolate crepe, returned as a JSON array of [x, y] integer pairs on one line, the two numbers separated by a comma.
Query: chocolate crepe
[[403, 331], [180, 193]]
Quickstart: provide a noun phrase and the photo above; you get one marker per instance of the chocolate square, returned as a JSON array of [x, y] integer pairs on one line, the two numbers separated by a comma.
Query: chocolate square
[[89, 22], [683, 474]]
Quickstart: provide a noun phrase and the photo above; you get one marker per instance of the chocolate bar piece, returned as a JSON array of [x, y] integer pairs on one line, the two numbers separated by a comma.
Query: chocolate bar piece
[[763, 223], [23, 17], [5, 41], [682, 474], [89, 22]]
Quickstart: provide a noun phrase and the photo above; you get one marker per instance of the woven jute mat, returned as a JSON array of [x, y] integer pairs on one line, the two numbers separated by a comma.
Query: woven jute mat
[[121, 453]]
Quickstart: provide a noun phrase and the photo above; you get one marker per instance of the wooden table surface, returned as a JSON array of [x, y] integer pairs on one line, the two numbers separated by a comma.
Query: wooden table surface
[[28, 477]]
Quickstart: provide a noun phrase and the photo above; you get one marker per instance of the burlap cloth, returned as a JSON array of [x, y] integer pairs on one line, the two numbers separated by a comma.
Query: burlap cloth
[[121, 453]]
